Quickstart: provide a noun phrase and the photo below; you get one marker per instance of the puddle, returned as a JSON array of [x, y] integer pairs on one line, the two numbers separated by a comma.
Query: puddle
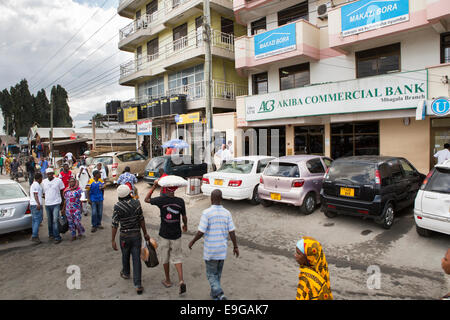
[[366, 232]]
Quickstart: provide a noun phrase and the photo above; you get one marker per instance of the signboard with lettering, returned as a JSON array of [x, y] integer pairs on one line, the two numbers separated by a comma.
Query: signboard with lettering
[[144, 128], [187, 118], [130, 114], [388, 92], [365, 15], [23, 140], [275, 41]]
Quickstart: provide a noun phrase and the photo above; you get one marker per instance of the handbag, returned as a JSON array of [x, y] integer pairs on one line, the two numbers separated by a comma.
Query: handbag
[[63, 224], [148, 254]]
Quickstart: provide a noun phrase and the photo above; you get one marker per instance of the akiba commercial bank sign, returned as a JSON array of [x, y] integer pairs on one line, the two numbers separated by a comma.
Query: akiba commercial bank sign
[[365, 15], [389, 92], [275, 41]]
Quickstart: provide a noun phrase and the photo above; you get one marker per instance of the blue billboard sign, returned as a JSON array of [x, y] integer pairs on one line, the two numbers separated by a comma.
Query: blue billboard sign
[[275, 41], [365, 15]]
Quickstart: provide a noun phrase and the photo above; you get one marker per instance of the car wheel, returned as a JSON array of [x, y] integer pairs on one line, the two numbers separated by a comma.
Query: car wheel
[[388, 216], [309, 204], [266, 203], [329, 214], [423, 232], [255, 198]]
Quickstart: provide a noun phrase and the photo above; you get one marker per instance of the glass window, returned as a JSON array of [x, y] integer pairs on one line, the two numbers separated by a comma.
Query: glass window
[[445, 48], [258, 25], [262, 164], [260, 83], [407, 168], [180, 37], [315, 166], [152, 7], [440, 181], [152, 49], [294, 76], [281, 169], [237, 166], [294, 13], [359, 173], [11, 191], [396, 170], [354, 139], [183, 82], [103, 160], [151, 89], [226, 25], [309, 140], [378, 61], [327, 162], [155, 163]]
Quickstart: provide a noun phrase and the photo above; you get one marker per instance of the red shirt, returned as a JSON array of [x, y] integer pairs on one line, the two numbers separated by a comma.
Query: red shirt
[[65, 177]]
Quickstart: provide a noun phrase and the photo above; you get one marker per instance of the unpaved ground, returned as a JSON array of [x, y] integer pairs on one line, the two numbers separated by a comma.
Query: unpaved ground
[[409, 264]]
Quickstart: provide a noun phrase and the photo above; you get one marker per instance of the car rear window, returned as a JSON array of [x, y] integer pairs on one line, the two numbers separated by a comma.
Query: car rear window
[[281, 169], [440, 181], [104, 160], [155, 164], [358, 173], [11, 191], [237, 166]]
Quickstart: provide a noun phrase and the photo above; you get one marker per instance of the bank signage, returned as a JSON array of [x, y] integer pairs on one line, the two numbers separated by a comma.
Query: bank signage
[[389, 92], [365, 15], [275, 41]]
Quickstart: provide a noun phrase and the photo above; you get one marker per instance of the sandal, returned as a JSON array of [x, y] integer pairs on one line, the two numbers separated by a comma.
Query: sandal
[[182, 288], [124, 276], [165, 284]]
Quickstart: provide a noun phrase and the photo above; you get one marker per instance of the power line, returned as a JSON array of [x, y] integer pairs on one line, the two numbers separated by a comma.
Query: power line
[[75, 51], [93, 84], [68, 41], [94, 90]]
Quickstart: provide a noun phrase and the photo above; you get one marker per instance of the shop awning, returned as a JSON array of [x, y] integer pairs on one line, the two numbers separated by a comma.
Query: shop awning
[[66, 142]]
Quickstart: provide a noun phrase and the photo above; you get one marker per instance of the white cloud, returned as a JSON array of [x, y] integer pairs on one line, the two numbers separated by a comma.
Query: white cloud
[[33, 30]]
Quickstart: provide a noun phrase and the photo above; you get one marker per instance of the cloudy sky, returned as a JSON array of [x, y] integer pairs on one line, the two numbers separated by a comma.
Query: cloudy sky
[[32, 31]]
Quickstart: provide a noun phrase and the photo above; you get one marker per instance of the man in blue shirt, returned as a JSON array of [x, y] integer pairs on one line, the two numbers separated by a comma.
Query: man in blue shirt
[[216, 224], [94, 194], [44, 165], [129, 179]]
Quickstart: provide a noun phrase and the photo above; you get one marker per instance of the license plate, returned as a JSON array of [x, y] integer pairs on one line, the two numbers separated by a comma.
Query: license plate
[[151, 174], [218, 182], [275, 196], [347, 192]]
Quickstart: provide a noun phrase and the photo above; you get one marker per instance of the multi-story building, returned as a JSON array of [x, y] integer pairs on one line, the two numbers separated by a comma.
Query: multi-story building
[[343, 78], [166, 38]]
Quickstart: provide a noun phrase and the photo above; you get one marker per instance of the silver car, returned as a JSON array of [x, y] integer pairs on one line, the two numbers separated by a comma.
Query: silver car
[[15, 214]]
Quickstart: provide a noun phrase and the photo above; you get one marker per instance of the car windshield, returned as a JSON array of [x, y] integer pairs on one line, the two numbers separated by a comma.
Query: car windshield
[[155, 164], [237, 166], [11, 191], [104, 160], [359, 173], [280, 169], [440, 181]]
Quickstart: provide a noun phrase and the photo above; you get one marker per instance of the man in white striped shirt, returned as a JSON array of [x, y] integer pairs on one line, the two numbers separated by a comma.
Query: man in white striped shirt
[[215, 225]]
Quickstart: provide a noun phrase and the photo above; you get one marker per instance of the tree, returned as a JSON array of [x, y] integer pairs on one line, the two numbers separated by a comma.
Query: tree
[[41, 109], [22, 103], [7, 111], [61, 110]]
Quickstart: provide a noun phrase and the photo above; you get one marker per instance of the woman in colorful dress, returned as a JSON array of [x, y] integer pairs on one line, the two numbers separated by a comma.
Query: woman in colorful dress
[[314, 277], [72, 208]]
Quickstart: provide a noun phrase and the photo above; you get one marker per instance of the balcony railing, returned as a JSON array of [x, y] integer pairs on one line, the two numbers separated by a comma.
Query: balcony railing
[[139, 24], [192, 40]]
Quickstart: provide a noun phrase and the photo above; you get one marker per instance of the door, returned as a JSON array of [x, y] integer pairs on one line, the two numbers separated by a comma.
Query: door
[[139, 58], [199, 30], [227, 29], [400, 186], [413, 178], [309, 140], [315, 179], [436, 197], [180, 37], [440, 134], [150, 9]]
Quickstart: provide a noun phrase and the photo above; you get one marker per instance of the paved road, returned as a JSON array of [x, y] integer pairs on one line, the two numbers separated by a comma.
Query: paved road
[[409, 264]]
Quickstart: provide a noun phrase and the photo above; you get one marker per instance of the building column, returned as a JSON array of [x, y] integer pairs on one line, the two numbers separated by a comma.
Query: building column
[[289, 140], [327, 139]]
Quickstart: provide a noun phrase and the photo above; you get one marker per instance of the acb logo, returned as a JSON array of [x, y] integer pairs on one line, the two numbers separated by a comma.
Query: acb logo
[[267, 106]]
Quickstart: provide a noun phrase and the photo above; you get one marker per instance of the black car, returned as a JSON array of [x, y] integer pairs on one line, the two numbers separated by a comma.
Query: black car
[[178, 165], [369, 186]]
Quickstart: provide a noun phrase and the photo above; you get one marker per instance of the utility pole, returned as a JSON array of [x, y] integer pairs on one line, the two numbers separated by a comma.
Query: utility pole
[[208, 79], [51, 125]]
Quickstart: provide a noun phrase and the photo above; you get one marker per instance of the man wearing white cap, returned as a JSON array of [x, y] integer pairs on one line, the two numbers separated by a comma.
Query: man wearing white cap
[[53, 189]]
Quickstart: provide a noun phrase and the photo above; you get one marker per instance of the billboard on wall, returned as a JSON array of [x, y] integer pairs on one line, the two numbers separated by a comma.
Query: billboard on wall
[[130, 114], [144, 128], [275, 41], [365, 15], [388, 92]]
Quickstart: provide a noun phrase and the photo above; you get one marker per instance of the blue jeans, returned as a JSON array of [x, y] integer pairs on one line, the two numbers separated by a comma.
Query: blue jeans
[[131, 246], [97, 212], [214, 273], [36, 219], [52, 217]]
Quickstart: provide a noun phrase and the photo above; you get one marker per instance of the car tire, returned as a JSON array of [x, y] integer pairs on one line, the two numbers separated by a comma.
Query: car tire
[[309, 204], [387, 219], [255, 198], [266, 203], [423, 232], [330, 214]]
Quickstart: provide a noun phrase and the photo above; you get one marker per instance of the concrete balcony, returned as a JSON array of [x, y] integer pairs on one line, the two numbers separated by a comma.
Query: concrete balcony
[[306, 47], [249, 10], [438, 14], [128, 8], [183, 52], [347, 29]]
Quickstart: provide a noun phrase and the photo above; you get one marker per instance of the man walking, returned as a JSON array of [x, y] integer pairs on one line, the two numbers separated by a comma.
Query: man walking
[[172, 211], [31, 168], [2, 160], [215, 225], [15, 169], [36, 207], [44, 165], [94, 194], [126, 178], [128, 213], [443, 154], [101, 169], [53, 193], [65, 174]]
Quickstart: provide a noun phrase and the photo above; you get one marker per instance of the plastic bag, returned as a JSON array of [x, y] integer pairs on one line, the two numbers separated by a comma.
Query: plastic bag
[[63, 224], [148, 253]]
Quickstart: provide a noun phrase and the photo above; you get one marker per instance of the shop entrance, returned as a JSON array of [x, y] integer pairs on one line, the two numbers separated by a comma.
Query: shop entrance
[[440, 135], [355, 139], [262, 141], [309, 140]]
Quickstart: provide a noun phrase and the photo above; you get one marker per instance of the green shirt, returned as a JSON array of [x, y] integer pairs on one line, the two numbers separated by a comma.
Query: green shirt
[[1, 161]]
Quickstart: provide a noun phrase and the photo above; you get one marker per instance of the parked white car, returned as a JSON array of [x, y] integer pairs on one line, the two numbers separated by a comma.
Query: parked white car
[[238, 179], [432, 204]]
